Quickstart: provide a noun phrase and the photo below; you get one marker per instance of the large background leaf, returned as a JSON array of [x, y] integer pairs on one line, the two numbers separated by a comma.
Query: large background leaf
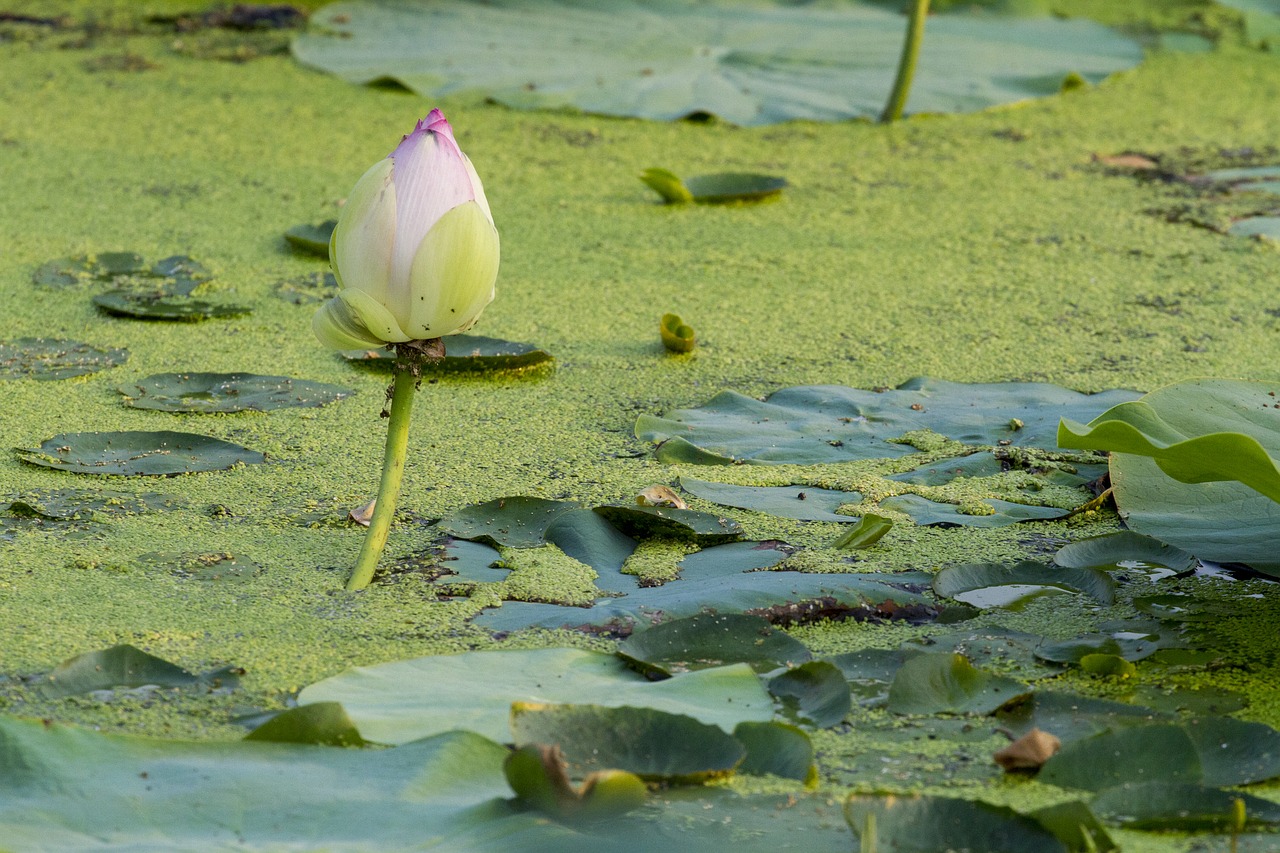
[[749, 64], [1192, 430]]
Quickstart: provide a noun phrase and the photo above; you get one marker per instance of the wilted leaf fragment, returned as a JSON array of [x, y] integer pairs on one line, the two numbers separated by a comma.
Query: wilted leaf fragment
[[942, 683], [660, 496], [51, 358], [677, 336], [709, 640], [118, 666], [226, 392], [867, 532], [324, 723], [136, 453], [655, 745], [1028, 752], [921, 824], [312, 238]]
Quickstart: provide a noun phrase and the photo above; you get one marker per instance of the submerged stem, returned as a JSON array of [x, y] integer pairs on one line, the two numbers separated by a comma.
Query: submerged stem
[[407, 373], [906, 62]]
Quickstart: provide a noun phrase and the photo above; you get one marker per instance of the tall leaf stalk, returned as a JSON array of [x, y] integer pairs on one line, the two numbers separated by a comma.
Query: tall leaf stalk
[[906, 62], [408, 372]]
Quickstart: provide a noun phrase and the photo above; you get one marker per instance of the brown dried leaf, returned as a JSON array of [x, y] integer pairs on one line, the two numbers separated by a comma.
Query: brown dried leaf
[[362, 515], [1028, 752], [661, 496], [1128, 160]]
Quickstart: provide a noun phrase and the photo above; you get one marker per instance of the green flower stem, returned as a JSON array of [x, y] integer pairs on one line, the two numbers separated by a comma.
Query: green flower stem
[[392, 470], [906, 62]]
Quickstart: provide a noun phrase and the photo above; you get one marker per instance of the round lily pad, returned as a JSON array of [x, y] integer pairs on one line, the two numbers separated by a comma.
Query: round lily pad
[[53, 358], [463, 354], [157, 305], [82, 504], [180, 274], [227, 392], [138, 453], [308, 289], [686, 524], [312, 238], [218, 566], [712, 639]]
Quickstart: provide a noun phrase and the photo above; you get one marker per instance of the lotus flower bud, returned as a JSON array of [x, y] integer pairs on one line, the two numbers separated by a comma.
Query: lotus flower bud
[[415, 250]]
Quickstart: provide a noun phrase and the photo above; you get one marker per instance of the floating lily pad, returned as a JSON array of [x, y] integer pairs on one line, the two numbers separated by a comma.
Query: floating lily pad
[[312, 238], [1152, 752], [158, 794], [464, 354], [941, 473], [805, 503], [227, 392], [309, 289], [1070, 716], [920, 824], [813, 424], [942, 683], [86, 504], [213, 567], [515, 522], [990, 584], [405, 700], [776, 749], [709, 640], [125, 666], [1129, 648], [655, 745], [1194, 464], [1164, 806], [137, 453], [1125, 547], [174, 275], [721, 188], [869, 672], [323, 723], [589, 538], [676, 335], [51, 358], [683, 524], [666, 59], [998, 513], [155, 305], [1256, 226], [1216, 751], [993, 647], [813, 693]]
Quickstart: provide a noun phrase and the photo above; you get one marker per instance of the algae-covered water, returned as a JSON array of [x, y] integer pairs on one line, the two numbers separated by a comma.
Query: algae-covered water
[[976, 248]]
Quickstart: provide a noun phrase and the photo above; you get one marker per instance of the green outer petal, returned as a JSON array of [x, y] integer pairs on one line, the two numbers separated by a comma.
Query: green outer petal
[[374, 316], [337, 328], [453, 273], [361, 246]]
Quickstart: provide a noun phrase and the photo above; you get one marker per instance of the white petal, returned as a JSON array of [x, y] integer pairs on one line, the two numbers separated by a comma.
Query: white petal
[[361, 246]]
